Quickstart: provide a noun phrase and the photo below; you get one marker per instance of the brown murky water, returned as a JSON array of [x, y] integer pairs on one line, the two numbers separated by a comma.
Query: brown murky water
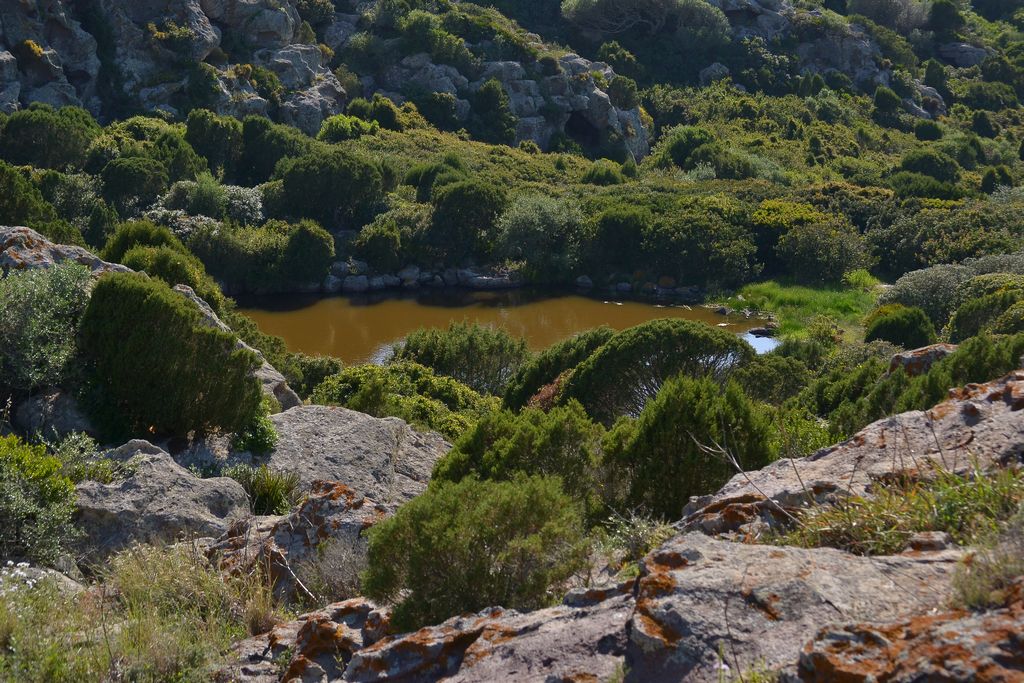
[[362, 329]]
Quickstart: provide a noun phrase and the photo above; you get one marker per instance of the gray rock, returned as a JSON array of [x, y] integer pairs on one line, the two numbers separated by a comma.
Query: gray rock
[[160, 502], [377, 283], [332, 284], [385, 460], [699, 599], [340, 269], [962, 55], [409, 273], [584, 282], [52, 415], [356, 284], [714, 72], [25, 249]]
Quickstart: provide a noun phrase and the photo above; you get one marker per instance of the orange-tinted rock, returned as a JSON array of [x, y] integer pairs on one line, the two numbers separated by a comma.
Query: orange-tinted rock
[[919, 361]]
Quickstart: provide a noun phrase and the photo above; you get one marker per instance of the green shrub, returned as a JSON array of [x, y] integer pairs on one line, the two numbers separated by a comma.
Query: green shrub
[[218, 139], [406, 390], [271, 492], [616, 238], [492, 119], [139, 234], [481, 357], [908, 327], [563, 443], [548, 365], [1011, 321], [542, 234], [927, 130], [264, 144], [630, 369], [380, 244], [623, 92], [201, 197], [501, 543], [159, 366], [425, 177], [335, 187], [380, 109], [312, 371], [672, 451], [133, 183], [46, 138], [177, 156], [931, 289], [37, 503], [975, 315], [175, 268], [340, 127], [931, 163], [772, 377], [464, 216], [39, 310], [259, 436], [21, 203], [604, 172], [680, 144], [822, 252], [996, 177]]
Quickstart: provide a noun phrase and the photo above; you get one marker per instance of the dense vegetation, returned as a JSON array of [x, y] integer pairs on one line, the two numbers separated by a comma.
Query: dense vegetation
[[781, 187]]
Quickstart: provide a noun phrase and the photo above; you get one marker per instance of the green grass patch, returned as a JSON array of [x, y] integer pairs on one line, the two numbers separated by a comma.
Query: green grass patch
[[795, 306]]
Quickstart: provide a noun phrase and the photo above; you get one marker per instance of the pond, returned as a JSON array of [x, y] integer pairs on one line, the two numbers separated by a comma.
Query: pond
[[362, 329]]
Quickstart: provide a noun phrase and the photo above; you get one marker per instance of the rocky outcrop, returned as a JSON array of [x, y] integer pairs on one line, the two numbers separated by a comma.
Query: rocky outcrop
[[917, 362], [952, 646], [159, 502], [704, 606], [565, 643], [978, 427], [52, 415], [314, 648], [383, 459], [25, 249], [331, 514]]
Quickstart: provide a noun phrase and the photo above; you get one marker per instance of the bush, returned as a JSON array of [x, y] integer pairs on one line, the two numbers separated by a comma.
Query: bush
[[481, 357], [37, 504], [616, 238], [772, 377], [340, 127], [492, 119], [21, 203], [46, 138], [202, 197], [406, 390], [380, 109], [139, 234], [159, 366], [425, 177], [975, 315], [996, 177], [464, 216], [563, 443], [501, 543], [218, 139], [175, 268], [264, 144], [380, 244], [927, 130], [931, 163], [901, 325], [133, 183], [604, 172], [312, 371], [630, 369], [271, 492], [671, 451], [542, 234], [623, 92], [680, 144], [39, 312], [548, 365], [822, 252], [931, 289], [335, 187]]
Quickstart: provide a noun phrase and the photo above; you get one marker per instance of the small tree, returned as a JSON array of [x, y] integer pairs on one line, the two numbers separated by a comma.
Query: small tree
[[43, 137], [499, 543], [159, 367], [217, 138], [481, 357], [822, 252], [464, 216], [133, 183], [493, 120], [542, 234], [905, 326], [682, 444], [545, 367]]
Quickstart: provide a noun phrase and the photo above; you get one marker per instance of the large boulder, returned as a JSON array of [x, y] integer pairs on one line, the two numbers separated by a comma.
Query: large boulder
[[978, 427], [704, 606], [159, 502], [383, 459], [25, 249], [52, 415], [332, 514]]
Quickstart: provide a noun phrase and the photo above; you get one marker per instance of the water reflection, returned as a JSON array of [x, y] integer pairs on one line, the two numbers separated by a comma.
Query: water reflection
[[361, 329]]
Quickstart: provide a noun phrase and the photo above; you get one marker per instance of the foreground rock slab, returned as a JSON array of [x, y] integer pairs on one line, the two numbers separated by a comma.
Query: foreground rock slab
[[954, 646], [979, 426], [383, 459], [25, 249], [703, 604], [160, 502], [331, 514], [564, 643]]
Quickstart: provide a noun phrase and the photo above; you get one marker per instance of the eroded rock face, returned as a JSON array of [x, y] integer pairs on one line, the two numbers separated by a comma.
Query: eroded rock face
[[953, 646], [383, 459], [564, 643], [52, 415], [315, 648], [332, 513], [701, 602], [979, 426], [160, 502], [919, 361], [25, 249]]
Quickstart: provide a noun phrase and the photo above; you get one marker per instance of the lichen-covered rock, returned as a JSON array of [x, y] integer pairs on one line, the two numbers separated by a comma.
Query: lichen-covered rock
[[159, 502], [564, 643], [952, 646], [917, 362], [314, 648], [383, 459], [25, 249], [332, 513], [979, 426], [52, 415], [702, 603]]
